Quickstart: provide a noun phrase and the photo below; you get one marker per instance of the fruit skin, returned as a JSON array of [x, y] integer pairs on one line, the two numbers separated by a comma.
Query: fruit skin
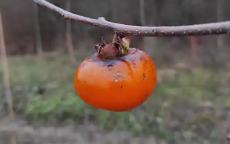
[[119, 84]]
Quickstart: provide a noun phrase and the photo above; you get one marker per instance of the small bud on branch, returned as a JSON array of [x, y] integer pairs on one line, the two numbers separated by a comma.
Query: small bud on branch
[[131, 30]]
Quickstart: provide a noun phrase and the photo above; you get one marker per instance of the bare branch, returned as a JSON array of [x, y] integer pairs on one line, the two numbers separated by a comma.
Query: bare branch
[[131, 30]]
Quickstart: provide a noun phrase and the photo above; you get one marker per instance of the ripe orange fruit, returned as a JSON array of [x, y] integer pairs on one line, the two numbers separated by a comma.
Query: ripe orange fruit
[[118, 84]]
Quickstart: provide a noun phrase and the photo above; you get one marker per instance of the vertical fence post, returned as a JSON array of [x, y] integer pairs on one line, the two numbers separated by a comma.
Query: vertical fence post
[[38, 41], [5, 72]]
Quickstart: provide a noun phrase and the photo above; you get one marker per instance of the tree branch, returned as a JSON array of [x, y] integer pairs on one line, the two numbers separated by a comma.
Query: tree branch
[[131, 30]]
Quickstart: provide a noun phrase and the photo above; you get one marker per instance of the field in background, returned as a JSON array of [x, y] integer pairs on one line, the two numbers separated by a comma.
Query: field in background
[[191, 103]]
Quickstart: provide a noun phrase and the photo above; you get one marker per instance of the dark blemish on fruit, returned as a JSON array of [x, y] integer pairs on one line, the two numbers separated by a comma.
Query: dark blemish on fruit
[[143, 76], [121, 86], [106, 63], [110, 66]]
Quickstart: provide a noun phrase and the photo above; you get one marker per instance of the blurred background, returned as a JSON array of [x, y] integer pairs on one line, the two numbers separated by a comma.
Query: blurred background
[[42, 50]]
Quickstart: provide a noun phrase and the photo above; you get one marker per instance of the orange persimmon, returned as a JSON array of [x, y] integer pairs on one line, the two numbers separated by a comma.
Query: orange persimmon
[[116, 84]]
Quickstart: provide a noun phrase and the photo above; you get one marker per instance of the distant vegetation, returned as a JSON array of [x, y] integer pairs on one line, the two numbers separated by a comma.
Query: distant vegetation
[[187, 102]]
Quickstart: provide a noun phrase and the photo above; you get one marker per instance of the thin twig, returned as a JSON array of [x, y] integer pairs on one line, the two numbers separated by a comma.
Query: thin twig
[[68, 33], [131, 30]]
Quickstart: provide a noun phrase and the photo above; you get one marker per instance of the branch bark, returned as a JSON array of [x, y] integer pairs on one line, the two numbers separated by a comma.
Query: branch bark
[[131, 30]]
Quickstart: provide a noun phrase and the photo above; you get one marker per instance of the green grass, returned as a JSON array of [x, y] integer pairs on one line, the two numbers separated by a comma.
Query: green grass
[[43, 92]]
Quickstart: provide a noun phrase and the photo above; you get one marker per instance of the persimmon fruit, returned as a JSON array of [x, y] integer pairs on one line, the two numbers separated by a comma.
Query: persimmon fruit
[[115, 82]]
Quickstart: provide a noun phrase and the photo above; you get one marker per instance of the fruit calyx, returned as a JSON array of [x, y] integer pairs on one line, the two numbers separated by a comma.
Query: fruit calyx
[[117, 48]]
